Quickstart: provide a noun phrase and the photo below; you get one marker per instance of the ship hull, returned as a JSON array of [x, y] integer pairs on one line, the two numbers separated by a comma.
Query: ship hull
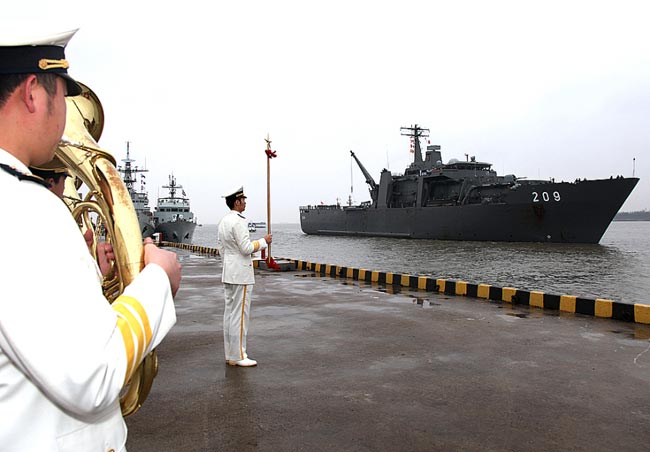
[[146, 225], [176, 231], [577, 212]]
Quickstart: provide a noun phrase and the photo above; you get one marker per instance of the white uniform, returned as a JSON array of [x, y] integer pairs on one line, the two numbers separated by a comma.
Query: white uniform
[[235, 248], [65, 352]]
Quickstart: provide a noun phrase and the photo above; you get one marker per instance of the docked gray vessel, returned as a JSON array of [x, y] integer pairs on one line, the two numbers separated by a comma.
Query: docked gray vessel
[[140, 198], [467, 200], [172, 217]]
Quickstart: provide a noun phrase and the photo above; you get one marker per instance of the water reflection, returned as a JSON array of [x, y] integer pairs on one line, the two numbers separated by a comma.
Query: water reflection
[[424, 302], [239, 401]]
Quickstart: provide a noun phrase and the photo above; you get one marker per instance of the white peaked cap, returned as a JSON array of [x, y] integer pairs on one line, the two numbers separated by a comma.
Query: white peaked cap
[[237, 192], [35, 38]]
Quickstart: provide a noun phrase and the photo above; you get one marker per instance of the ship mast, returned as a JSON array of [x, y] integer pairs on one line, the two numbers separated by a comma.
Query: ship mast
[[129, 171], [415, 132], [172, 186]]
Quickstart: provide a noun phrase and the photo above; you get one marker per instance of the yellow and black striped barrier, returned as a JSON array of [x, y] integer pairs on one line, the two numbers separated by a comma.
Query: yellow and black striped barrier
[[194, 248], [598, 307]]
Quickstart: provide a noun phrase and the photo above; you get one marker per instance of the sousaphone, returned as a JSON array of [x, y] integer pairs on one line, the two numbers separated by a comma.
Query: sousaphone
[[99, 200]]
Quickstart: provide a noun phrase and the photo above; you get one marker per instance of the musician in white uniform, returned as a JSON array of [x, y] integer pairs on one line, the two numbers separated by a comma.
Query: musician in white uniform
[[235, 248], [65, 352]]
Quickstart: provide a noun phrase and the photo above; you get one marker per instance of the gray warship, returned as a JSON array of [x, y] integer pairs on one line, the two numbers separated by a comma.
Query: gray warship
[[172, 217], [467, 200], [140, 198]]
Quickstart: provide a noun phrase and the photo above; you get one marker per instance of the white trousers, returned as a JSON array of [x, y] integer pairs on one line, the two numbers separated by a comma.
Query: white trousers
[[235, 320]]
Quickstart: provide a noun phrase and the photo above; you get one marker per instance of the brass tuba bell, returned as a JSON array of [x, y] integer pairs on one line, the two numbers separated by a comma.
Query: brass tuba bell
[[106, 207]]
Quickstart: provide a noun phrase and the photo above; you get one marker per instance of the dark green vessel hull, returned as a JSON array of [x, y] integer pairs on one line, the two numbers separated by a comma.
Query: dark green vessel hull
[[578, 212]]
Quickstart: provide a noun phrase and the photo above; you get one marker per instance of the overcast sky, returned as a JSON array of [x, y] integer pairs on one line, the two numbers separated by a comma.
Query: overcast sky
[[538, 88]]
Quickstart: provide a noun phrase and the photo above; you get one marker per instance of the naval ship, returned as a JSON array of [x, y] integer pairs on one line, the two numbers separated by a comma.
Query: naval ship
[[172, 217], [140, 198], [467, 200]]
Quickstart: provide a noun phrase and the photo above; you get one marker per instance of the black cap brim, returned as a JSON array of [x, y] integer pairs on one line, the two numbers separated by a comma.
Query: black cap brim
[[73, 87]]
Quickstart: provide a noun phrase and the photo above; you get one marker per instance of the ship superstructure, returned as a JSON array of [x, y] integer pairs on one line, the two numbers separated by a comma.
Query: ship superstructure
[[140, 198], [173, 218]]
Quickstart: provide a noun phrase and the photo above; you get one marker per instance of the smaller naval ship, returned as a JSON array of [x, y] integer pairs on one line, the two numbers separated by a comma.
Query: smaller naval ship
[[172, 217], [140, 198], [254, 226]]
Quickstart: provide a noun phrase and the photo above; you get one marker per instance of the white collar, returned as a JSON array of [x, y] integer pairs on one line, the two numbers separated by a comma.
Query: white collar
[[11, 160]]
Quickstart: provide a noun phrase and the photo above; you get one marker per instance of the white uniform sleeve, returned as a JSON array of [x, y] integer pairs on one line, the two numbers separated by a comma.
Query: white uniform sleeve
[[141, 301], [243, 239], [55, 324]]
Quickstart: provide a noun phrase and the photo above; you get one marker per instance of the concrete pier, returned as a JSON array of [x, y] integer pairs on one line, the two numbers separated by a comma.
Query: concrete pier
[[350, 365]]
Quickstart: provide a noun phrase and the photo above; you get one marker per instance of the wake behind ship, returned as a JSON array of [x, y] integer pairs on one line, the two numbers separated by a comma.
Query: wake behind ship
[[173, 218], [467, 200]]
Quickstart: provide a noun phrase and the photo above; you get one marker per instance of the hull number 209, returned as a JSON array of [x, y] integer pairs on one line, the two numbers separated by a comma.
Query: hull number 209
[[546, 196]]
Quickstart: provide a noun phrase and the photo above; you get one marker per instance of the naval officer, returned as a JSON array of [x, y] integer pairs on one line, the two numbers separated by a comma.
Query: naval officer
[[54, 173], [65, 352], [235, 248]]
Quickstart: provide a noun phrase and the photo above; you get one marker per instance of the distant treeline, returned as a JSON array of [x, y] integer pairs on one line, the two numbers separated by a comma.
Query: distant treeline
[[641, 215]]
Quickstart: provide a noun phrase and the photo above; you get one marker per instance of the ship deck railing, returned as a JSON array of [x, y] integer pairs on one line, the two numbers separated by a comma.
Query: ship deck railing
[[363, 205], [322, 207]]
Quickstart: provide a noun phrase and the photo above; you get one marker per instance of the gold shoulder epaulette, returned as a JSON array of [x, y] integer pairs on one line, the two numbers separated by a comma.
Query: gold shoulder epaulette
[[22, 176]]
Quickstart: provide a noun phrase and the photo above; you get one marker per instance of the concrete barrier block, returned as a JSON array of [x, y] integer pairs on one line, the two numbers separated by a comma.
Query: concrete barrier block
[[603, 308], [483, 291], [536, 299], [507, 294], [642, 313], [568, 303], [441, 283]]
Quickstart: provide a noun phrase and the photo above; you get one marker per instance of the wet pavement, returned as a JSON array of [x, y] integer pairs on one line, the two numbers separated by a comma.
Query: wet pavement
[[352, 366]]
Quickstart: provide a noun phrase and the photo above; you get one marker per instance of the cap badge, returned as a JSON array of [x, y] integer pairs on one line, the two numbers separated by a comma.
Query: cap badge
[[46, 64]]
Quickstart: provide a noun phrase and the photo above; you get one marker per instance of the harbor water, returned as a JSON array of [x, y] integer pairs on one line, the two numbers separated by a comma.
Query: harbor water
[[618, 268]]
